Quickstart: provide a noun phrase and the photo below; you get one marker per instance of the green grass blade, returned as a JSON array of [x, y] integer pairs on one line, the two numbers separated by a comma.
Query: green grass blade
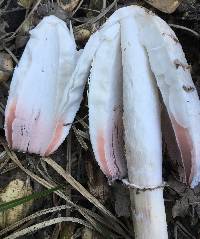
[[14, 203]]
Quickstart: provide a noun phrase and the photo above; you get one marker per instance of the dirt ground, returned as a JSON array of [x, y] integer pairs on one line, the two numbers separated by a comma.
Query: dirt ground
[[75, 155]]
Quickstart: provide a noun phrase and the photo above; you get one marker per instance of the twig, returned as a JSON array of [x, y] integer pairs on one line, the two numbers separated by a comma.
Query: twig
[[184, 231], [33, 216], [89, 9], [2, 108], [12, 55], [1, 2], [7, 4], [186, 29], [104, 4], [5, 35], [12, 10], [102, 14], [46, 224], [76, 185], [3, 164], [28, 16], [78, 6], [68, 166]]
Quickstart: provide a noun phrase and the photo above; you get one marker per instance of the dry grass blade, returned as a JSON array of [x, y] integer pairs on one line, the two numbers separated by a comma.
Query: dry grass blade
[[179, 227], [108, 223], [43, 182], [102, 230], [5, 159], [3, 156], [1, 2], [38, 179], [75, 184], [43, 172], [77, 7], [117, 225], [186, 29], [82, 122], [84, 192], [33, 216], [12, 55], [44, 224], [102, 14], [7, 168], [28, 16], [80, 135]]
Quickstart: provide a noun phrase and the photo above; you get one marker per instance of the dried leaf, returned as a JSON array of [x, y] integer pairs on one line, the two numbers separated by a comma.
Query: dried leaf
[[25, 3], [68, 7], [188, 199], [167, 6], [15, 189], [82, 34], [6, 66]]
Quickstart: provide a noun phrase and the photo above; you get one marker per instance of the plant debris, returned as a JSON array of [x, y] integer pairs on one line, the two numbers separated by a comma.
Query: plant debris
[[14, 190], [168, 6], [6, 66]]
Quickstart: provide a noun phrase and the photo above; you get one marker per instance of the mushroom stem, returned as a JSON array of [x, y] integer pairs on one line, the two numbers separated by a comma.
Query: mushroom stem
[[143, 139], [148, 213]]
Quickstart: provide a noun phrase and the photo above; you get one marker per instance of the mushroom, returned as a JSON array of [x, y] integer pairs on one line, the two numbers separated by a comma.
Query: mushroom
[[33, 119], [46, 89], [152, 59], [133, 56]]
